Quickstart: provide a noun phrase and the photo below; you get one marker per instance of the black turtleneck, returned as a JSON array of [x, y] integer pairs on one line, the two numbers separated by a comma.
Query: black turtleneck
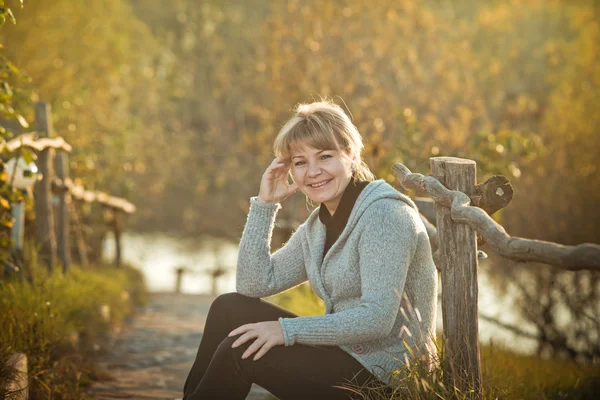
[[335, 224]]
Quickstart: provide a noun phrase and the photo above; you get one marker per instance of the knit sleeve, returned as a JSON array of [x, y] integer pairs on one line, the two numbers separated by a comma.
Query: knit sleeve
[[388, 241], [260, 273]]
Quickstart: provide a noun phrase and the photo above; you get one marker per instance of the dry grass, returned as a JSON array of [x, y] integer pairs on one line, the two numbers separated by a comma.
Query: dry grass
[[56, 320], [506, 375]]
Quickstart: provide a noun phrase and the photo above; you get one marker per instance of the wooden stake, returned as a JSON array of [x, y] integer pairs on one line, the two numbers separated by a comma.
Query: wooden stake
[[62, 221], [117, 233], [79, 236], [458, 259], [43, 190]]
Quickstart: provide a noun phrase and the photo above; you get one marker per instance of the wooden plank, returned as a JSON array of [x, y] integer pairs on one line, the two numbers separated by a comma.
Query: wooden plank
[[43, 191], [457, 247]]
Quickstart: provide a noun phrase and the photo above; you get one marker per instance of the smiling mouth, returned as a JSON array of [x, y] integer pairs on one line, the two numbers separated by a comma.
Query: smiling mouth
[[320, 184]]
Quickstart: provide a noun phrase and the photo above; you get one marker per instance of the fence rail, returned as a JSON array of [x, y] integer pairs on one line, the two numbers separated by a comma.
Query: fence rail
[[584, 256], [453, 190], [53, 230], [78, 192], [33, 141]]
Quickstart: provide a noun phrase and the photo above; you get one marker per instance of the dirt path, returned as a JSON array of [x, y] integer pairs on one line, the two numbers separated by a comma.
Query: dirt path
[[151, 357]]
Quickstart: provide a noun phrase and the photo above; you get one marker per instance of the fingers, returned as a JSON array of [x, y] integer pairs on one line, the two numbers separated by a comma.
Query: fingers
[[244, 338], [263, 350], [277, 166], [263, 342], [258, 343], [241, 329]]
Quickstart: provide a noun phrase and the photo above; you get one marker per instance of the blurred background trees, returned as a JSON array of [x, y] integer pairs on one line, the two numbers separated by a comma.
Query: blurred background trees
[[175, 104]]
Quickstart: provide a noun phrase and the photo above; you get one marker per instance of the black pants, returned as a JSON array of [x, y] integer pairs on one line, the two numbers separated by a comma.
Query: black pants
[[295, 372]]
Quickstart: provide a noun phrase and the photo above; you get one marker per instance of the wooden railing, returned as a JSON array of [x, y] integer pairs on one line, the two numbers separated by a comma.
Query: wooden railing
[[53, 228], [462, 211]]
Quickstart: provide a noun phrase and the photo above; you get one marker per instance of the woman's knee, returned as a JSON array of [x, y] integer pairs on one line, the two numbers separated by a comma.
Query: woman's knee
[[232, 355]]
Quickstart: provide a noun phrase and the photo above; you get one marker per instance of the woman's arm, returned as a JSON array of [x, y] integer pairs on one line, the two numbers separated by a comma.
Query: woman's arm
[[259, 273], [386, 247]]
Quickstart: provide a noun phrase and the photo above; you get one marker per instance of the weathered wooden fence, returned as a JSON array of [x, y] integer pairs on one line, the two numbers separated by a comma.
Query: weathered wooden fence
[[54, 229], [462, 212]]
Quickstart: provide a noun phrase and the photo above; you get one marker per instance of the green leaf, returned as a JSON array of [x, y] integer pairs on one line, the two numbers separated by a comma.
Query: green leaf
[[27, 156]]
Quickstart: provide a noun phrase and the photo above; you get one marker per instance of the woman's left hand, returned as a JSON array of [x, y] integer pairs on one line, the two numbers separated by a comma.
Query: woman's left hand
[[266, 335]]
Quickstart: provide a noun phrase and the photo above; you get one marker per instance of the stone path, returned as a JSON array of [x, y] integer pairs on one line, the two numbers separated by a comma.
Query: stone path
[[151, 356]]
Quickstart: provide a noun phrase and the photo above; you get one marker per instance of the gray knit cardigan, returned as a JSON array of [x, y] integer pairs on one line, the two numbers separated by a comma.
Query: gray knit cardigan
[[378, 280]]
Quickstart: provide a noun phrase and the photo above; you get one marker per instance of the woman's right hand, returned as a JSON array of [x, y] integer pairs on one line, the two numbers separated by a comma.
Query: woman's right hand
[[274, 186]]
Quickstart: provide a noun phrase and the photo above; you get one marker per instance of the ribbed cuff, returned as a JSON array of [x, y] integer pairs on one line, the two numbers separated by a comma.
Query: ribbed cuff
[[317, 330], [287, 340], [255, 202]]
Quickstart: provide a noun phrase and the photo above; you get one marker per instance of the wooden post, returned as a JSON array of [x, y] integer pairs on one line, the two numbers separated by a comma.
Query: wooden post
[[17, 234], [215, 273], [116, 224], [79, 236], [43, 190], [213, 285], [458, 258], [63, 226], [179, 271], [17, 231]]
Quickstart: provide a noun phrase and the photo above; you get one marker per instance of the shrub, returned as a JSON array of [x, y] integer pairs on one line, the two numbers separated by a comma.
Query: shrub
[[56, 320]]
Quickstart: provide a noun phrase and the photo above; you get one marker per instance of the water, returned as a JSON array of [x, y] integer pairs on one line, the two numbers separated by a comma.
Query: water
[[158, 255]]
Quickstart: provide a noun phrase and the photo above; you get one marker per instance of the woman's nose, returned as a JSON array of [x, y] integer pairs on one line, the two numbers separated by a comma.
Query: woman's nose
[[314, 170]]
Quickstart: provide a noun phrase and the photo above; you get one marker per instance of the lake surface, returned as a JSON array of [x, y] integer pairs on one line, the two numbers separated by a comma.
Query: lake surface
[[158, 255]]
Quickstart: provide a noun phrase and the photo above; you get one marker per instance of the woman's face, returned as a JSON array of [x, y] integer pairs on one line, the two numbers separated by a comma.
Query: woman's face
[[322, 175]]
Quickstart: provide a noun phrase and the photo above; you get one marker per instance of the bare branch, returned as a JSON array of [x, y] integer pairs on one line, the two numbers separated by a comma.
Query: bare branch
[[585, 256], [507, 326]]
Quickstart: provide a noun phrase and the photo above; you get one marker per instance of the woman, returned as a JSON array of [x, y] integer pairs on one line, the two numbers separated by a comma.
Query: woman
[[365, 252]]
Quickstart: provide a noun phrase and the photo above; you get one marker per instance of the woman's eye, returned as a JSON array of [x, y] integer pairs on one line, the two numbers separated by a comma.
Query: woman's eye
[[299, 163], [325, 156]]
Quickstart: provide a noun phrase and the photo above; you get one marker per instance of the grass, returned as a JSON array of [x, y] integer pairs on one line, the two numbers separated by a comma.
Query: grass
[[7, 374], [505, 374], [56, 320]]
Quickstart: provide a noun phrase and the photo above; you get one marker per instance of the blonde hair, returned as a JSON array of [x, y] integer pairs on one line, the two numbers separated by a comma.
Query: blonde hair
[[323, 125]]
